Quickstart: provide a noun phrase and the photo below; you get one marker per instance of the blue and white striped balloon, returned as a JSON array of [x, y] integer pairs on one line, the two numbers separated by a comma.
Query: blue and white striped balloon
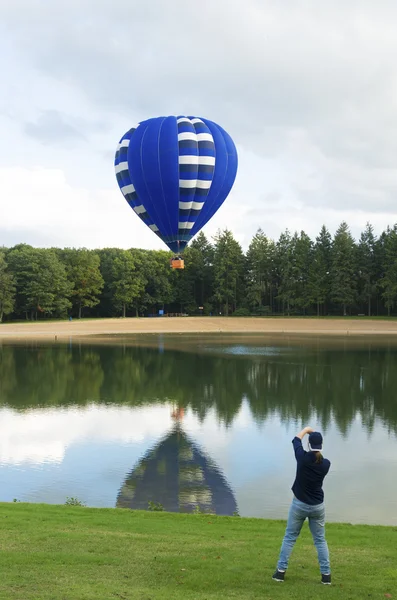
[[175, 173]]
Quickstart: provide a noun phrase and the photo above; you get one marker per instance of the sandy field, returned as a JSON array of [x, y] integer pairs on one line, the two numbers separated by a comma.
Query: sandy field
[[62, 330]]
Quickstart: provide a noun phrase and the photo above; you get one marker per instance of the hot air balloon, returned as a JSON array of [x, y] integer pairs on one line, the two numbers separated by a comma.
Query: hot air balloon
[[175, 173]]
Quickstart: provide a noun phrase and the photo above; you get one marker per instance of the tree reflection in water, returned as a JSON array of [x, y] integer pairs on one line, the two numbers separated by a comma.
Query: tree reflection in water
[[296, 383]]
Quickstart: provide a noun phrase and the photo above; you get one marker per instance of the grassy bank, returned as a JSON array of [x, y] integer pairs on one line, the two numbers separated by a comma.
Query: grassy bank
[[74, 553]]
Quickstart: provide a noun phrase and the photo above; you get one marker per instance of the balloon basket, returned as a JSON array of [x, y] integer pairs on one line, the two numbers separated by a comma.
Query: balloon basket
[[177, 263]]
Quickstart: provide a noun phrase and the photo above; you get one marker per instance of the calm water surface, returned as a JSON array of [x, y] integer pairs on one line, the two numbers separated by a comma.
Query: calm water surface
[[199, 422]]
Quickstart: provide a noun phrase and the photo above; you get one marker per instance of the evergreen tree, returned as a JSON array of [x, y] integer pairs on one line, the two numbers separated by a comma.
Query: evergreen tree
[[285, 271], [320, 269], [302, 252], [199, 261], [194, 284], [343, 268], [228, 266], [388, 281], [259, 277], [366, 262]]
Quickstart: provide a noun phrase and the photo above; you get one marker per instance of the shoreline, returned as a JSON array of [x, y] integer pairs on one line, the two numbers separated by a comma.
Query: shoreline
[[49, 506], [96, 329]]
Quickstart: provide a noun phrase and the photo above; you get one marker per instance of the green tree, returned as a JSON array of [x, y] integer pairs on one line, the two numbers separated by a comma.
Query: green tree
[[194, 284], [7, 288], [83, 270], [320, 270], [160, 289], [128, 281], [343, 268], [302, 253], [184, 296], [22, 262], [366, 262], [285, 271], [42, 284], [260, 263], [388, 279], [106, 306], [199, 264], [228, 265]]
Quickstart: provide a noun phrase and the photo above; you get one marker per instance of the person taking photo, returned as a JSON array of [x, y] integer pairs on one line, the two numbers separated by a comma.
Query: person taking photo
[[308, 502]]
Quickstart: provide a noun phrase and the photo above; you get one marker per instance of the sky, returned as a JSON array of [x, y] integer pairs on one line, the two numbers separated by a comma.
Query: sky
[[306, 89]]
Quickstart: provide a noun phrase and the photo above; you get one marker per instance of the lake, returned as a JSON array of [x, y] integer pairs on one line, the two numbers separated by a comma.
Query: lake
[[199, 423]]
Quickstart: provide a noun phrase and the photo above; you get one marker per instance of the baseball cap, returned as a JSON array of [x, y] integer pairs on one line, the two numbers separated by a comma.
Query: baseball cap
[[315, 441]]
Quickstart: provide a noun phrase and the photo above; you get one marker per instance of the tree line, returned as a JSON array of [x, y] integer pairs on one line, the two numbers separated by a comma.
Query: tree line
[[294, 275]]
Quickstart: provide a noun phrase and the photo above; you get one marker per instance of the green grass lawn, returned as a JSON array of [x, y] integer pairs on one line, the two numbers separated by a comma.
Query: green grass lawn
[[64, 553]]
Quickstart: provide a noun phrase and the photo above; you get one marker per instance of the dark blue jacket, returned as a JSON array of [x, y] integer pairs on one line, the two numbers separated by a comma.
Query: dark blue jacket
[[308, 484]]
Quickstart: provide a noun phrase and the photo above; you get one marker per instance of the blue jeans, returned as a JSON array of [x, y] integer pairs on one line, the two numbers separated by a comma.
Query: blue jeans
[[298, 512]]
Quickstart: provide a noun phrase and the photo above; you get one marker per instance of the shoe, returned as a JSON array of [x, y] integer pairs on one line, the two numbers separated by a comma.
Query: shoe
[[278, 575], [326, 579]]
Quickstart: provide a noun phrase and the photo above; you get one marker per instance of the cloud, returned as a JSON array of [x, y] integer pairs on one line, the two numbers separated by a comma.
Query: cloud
[[287, 63], [38, 436], [44, 435], [57, 214], [52, 127]]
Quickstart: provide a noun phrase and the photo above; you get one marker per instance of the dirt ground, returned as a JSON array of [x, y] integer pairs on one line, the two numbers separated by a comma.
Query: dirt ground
[[61, 330]]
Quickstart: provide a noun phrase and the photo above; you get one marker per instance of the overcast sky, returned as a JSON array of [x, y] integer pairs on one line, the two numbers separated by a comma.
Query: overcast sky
[[306, 88]]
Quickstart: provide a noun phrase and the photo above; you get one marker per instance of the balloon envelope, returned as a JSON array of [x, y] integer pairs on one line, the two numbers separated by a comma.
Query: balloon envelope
[[175, 173]]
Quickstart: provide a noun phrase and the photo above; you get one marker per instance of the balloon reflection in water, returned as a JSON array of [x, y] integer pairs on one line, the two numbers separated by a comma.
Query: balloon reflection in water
[[177, 474]]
